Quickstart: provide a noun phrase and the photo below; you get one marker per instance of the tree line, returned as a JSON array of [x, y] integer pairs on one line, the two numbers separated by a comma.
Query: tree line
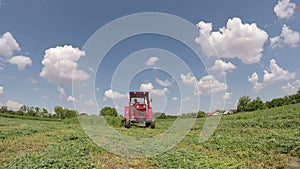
[[60, 112], [245, 103]]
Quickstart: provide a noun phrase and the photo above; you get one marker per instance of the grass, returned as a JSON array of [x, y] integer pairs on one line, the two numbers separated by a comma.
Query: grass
[[262, 139]]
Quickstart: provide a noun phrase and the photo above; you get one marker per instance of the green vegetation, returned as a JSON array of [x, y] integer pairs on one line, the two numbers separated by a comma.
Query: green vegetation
[[200, 114], [108, 111], [267, 138], [36, 113], [246, 104]]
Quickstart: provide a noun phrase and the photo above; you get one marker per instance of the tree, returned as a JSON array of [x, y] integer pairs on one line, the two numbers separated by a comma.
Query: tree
[[108, 111], [200, 114], [70, 113], [37, 111], [63, 113], [189, 115], [243, 103], [30, 111], [23, 109], [256, 104], [44, 112], [3, 109], [59, 111], [162, 116], [159, 115]]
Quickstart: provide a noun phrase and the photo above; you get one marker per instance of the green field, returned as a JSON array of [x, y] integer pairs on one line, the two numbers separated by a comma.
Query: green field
[[261, 139]]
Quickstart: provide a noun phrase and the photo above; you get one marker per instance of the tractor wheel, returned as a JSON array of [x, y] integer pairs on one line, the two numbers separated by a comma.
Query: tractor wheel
[[127, 123], [147, 124], [153, 124]]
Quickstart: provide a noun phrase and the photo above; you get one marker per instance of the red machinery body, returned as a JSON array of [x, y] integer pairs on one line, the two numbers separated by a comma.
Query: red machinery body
[[139, 109]]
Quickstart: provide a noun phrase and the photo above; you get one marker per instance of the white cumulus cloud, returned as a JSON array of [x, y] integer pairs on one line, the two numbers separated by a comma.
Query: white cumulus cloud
[[253, 79], [151, 61], [62, 93], [207, 84], [186, 99], [1, 90], [89, 102], [189, 79], [8, 45], [13, 105], [291, 88], [164, 83], [113, 95], [174, 98], [276, 73], [222, 66], [60, 65], [287, 37], [227, 96], [160, 92], [149, 87], [70, 98], [236, 40], [284, 9], [20, 61], [146, 87]]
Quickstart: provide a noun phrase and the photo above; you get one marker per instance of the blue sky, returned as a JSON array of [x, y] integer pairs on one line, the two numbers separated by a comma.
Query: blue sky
[[244, 48]]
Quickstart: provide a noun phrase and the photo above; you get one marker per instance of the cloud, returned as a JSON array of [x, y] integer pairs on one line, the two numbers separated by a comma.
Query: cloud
[[253, 79], [284, 9], [227, 96], [8, 45], [236, 40], [222, 66], [90, 102], [113, 95], [20, 61], [186, 99], [62, 93], [159, 92], [151, 61], [207, 84], [13, 105], [276, 73], [60, 65], [189, 79], [164, 83], [297, 83], [291, 88], [174, 98], [1, 90], [287, 37], [146, 87], [70, 98], [149, 87]]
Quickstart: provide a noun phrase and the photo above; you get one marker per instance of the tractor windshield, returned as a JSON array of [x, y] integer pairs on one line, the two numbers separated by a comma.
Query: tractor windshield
[[137, 100]]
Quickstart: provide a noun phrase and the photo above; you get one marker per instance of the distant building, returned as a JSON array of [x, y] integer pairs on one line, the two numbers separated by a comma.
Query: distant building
[[228, 112], [212, 114]]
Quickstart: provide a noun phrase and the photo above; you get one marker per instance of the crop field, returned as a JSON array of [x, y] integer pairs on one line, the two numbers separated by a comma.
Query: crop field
[[261, 139]]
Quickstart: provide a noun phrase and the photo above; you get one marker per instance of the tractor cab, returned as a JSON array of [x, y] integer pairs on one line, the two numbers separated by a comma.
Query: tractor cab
[[139, 109]]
